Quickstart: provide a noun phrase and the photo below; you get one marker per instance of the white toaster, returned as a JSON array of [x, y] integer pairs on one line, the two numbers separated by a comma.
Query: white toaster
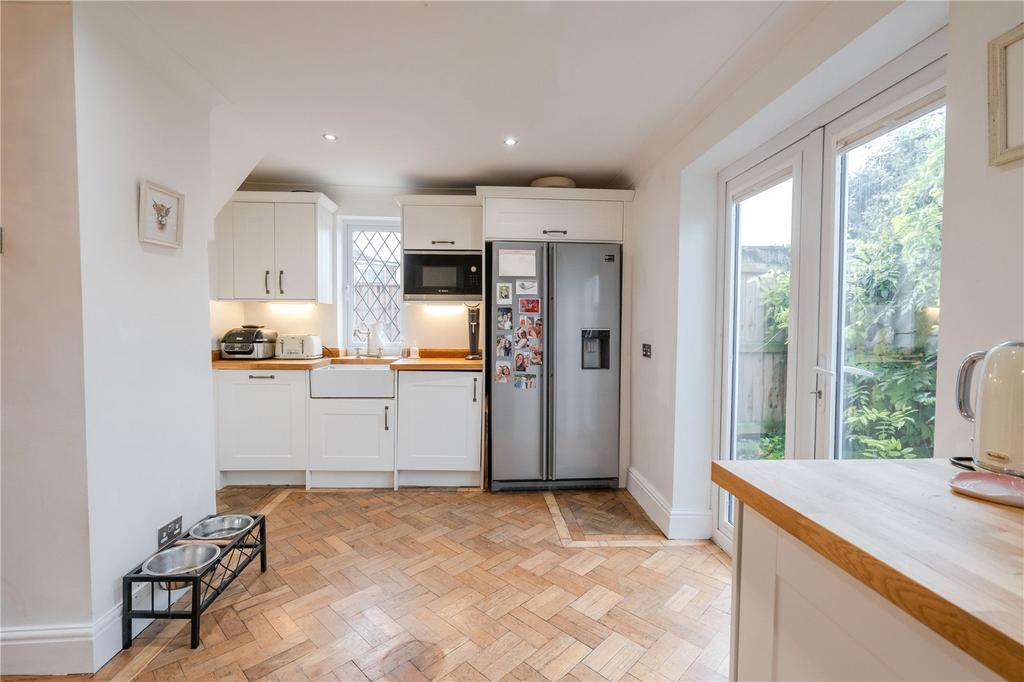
[[298, 347]]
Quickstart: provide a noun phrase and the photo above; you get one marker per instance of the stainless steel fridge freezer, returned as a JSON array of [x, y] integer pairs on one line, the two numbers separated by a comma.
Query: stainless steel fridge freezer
[[553, 363]]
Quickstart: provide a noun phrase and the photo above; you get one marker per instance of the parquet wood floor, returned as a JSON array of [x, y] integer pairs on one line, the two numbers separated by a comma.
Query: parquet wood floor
[[467, 585]]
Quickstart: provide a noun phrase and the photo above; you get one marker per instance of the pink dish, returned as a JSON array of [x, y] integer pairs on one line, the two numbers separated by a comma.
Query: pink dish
[[998, 488]]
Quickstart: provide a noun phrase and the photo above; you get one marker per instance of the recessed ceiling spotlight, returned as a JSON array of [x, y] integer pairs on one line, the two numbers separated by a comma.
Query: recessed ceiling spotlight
[[330, 137], [511, 142]]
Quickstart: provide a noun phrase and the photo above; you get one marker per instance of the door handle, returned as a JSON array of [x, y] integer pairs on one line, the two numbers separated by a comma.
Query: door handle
[[266, 280], [385, 417], [565, 232], [442, 241], [261, 376], [474, 389], [280, 281]]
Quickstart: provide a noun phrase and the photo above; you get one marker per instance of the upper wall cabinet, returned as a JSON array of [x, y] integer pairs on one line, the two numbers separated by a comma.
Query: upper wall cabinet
[[441, 223], [553, 214], [275, 246]]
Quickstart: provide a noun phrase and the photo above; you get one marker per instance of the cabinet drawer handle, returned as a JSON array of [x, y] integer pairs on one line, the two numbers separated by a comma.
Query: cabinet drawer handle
[[385, 417], [474, 389], [266, 281], [442, 241], [261, 376], [555, 232], [280, 281]]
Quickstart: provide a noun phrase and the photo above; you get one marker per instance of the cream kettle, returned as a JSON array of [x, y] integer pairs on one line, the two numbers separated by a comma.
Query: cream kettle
[[998, 413]]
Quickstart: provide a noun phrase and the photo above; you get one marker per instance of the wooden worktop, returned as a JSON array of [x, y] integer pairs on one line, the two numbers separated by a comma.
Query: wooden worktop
[[954, 563], [450, 364], [450, 359]]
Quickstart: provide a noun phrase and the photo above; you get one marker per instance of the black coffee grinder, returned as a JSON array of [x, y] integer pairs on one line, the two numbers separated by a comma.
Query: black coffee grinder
[[473, 316]]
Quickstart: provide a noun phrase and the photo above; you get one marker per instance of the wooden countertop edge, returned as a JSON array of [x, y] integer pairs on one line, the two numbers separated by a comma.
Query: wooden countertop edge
[[401, 365], [450, 364], [980, 640]]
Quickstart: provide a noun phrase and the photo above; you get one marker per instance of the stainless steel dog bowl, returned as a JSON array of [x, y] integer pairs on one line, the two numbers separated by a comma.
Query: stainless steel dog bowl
[[179, 560], [221, 527]]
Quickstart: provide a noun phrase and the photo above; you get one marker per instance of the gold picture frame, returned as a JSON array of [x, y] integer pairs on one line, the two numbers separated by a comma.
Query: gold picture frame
[[161, 215], [1006, 97]]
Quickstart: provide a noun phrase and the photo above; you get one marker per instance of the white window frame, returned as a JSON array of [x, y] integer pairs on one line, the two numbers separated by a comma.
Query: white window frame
[[920, 93], [872, 107], [800, 161], [346, 225]]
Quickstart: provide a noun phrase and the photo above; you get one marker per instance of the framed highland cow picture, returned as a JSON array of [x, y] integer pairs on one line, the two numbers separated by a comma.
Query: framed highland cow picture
[[161, 215]]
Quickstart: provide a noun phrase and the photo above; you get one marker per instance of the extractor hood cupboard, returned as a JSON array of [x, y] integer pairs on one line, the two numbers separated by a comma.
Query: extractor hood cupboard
[[275, 246]]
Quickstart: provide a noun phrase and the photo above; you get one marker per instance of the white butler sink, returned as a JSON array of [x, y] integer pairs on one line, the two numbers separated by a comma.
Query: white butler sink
[[352, 381]]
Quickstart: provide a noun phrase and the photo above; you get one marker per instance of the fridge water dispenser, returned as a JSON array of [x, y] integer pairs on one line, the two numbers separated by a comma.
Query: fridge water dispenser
[[596, 353]]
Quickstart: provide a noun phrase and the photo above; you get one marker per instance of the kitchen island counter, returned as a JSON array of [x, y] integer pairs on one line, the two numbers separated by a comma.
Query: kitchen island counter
[[954, 564]]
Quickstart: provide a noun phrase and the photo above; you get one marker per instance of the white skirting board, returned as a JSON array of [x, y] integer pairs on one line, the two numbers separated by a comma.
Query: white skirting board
[[67, 649], [676, 524]]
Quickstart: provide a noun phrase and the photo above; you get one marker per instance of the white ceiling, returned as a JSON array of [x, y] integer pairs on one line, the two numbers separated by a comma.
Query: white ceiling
[[423, 94]]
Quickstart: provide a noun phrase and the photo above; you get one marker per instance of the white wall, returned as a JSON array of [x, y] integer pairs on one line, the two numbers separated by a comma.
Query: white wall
[[44, 515], [982, 294], [674, 416], [148, 381]]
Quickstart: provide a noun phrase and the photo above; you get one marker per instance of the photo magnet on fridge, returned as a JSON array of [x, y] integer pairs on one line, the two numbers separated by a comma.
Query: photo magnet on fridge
[[504, 318], [522, 335], [502, 372], [525, 381], [536, 353], [526, 287], [529, 305], [503, 346], [503, 293], [522, 360]]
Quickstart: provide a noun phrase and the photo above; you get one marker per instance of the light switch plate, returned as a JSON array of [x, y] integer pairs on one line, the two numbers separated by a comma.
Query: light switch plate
[[168, 532], [646, 349]]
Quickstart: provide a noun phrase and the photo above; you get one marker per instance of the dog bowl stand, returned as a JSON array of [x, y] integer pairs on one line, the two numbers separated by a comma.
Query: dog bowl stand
[[206, 585]]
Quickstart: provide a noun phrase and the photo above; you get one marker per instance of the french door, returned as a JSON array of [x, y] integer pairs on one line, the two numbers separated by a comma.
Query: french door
[[830, 288], [772, 216]]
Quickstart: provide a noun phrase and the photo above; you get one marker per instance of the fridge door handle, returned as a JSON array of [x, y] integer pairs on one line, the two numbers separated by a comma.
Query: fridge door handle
[[550, 268]]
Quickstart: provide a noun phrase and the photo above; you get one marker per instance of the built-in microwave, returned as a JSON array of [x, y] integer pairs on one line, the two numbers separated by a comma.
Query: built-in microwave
[[442, 275]]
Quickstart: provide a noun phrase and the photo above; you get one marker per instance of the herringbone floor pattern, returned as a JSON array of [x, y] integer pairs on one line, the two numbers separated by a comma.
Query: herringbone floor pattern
[[466, 585]]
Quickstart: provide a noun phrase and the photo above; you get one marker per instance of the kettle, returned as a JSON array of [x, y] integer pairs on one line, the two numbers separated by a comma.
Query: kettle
[[998, 414]]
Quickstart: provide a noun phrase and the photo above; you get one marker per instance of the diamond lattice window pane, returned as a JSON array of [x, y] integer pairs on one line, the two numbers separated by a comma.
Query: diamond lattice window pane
[[376, 280]]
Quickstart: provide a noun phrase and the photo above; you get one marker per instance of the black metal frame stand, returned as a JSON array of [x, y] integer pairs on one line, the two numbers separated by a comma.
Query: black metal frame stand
[[206, 586]]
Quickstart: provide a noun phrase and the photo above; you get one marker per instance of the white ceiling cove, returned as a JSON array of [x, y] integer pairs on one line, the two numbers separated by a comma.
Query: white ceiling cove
[[424, 94]]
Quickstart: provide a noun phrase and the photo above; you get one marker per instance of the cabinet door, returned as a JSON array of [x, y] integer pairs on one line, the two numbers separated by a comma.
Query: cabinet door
[[554, 219], [253, 236], [295, 237], [442, 227], [346, 434], [439, 420], [261, 420]]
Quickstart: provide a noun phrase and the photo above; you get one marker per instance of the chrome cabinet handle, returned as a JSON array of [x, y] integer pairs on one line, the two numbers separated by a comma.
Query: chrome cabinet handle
[[266, 280], [385, 417], [280, 281], [474, 389], [555, 232], [442, 241], [261, 376]]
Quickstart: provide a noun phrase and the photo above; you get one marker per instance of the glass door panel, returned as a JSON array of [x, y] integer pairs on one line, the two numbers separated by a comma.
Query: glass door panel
[[890, 217], [764, 230]]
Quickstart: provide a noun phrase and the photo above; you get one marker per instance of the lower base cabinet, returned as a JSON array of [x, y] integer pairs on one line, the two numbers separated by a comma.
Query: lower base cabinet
[[439, 420], [261, 419], [347, 434]]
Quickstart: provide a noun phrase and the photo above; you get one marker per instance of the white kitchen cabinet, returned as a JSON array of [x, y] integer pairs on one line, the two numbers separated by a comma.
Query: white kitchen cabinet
[[439, 420], [274, 246], [554, 219], [261, 419], [435, 226], [253, 243], [347, 434]]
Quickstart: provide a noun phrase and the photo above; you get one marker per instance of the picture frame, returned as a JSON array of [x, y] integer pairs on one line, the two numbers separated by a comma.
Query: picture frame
[[1006, 97], [161, 215]]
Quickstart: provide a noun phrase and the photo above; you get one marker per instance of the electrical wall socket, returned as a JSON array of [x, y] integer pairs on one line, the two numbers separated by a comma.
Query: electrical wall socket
[[167, 533], [646, 350]]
